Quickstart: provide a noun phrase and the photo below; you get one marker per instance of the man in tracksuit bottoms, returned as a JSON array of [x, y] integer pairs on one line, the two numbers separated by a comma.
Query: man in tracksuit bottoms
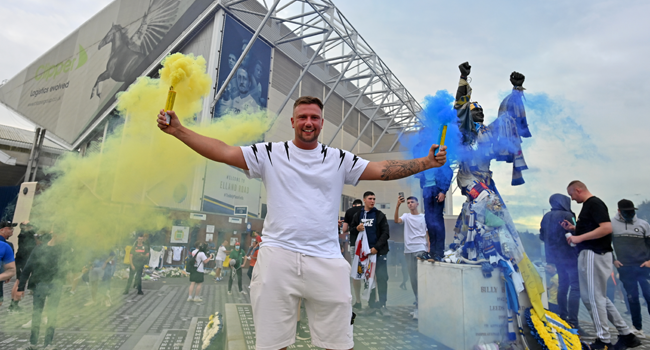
[[374, 222], [593, 236], [632, 258]]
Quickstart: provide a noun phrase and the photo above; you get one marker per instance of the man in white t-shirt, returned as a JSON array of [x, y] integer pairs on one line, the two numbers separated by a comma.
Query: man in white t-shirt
[[300, 256], [222, 253], [415, 240], [197, 277]]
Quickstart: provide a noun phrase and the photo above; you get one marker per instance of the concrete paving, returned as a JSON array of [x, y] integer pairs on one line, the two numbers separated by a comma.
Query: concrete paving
[[163, 319]]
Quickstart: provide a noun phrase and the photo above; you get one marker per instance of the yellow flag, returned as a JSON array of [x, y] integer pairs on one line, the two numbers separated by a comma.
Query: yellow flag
[[534, 285]]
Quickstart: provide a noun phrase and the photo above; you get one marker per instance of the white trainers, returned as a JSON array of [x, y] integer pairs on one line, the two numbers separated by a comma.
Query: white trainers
[[638, 332], [229, 292], [90, 303], [415, 314], [198, 299], [190, 299], [29, 324], [243, 292]]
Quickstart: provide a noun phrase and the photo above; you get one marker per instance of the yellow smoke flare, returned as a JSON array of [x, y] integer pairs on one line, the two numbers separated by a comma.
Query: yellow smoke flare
[[126, 183]]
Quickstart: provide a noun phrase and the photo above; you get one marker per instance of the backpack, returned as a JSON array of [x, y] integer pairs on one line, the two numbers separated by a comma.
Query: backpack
[[190, 262]]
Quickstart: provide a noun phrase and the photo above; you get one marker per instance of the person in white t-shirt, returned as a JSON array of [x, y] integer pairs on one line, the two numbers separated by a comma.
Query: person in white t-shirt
[[197, 277], [415, 240], [222, 253], [300, 255]]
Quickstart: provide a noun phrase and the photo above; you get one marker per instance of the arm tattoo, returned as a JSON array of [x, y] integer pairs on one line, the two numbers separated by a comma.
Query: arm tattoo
[[397, 169]]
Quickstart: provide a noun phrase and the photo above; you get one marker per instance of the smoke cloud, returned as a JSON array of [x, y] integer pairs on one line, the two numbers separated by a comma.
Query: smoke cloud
[[99, 199]]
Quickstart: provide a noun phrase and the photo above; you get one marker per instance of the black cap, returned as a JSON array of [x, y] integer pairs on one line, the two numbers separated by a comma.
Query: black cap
[[4, 224], [626, 204]]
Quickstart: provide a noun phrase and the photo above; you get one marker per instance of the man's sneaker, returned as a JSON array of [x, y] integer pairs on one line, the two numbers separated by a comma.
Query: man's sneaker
[[29, 324], [627, 341], [384, 312], [90, 303], [198, 299], [639, 333], [302, 334], [140, 292], [190, 299], [415, 314], [599, 344], [229, 293], [243, 292], [356, 306]]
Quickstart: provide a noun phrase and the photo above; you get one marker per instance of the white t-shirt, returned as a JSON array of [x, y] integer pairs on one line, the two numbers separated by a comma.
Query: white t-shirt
[[415, 231], [199, 261], [304, 190], [221, 253]]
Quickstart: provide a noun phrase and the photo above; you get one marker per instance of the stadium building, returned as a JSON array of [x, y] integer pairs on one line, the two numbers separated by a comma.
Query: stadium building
[[286, 49]]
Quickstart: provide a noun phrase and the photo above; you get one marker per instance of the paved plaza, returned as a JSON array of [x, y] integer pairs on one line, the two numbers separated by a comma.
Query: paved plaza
[[163, 319]]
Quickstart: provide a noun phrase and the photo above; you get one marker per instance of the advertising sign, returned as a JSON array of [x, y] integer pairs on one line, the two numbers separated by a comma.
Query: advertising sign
[[67, 88], [241, 210], [249, 89], [228, 187]]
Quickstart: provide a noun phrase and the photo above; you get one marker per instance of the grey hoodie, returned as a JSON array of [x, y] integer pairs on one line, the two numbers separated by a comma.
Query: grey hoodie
[[558, 251], [631, 240]]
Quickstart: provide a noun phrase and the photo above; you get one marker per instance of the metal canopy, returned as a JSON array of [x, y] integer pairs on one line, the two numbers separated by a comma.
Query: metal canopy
[[331, 44]]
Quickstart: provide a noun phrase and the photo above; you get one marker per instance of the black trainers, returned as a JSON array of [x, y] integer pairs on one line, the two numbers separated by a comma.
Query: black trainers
[[357, 306], [627, 341], [599, 344]]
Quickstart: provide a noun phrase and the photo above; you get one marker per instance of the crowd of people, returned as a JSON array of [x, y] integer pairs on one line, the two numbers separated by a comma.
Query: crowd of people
[[585, 253], [301, 262]]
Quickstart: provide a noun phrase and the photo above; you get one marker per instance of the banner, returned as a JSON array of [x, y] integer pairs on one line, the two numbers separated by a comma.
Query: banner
[[67, 88], [249, 89], [228, 187]]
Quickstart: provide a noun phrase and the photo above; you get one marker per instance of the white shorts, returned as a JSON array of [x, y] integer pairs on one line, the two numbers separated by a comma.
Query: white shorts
[[280, 278]]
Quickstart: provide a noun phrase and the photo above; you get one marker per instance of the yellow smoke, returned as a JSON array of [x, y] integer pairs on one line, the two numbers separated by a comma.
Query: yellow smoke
[[99, 199]]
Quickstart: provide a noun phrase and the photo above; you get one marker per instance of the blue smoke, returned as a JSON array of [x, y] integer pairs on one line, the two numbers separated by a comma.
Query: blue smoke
[[438, 111], [554, 118]]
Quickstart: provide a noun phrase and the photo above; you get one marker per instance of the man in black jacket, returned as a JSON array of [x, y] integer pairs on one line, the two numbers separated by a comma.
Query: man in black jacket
[[565, 257], [26, 243], [44, 273], [374, 222]]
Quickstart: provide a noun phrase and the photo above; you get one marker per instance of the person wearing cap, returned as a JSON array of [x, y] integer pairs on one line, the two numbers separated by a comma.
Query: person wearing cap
[[237, 255], [6, 231], [592, 234], [631, 239]]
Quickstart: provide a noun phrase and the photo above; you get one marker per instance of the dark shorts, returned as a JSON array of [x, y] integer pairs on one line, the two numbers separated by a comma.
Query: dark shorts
[[1, 291], [196, 277]]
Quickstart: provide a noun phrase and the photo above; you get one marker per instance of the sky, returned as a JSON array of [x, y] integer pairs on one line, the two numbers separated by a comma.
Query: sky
[[587, 85]]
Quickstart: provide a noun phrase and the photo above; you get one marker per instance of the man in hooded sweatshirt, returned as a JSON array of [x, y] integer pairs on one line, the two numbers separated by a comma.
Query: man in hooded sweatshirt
[[632, 257], [374, 222], [565, 257]]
